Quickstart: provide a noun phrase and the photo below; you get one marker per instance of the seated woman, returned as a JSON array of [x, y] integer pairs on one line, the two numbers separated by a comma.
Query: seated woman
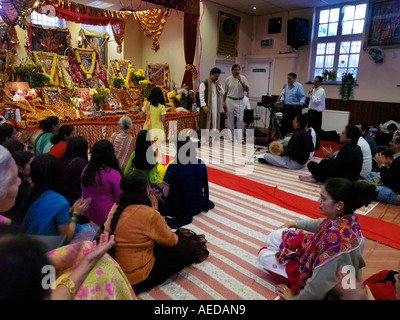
[[123, 141], [145, 247], [83, 270], [144, 159], [60, 139], [74, 160], [49, 128], [9, 182], [23, 160], [185, 190], [48, 211], [308, 260], [100, 181]]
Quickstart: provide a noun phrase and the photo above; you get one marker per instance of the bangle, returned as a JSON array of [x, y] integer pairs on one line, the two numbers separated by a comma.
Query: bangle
[[382, 165], [74, 218], [70, 285]]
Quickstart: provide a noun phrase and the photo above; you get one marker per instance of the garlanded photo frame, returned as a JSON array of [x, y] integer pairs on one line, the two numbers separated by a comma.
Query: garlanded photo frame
[[16, 91], [51, 94], [383, 24], [97, 41]]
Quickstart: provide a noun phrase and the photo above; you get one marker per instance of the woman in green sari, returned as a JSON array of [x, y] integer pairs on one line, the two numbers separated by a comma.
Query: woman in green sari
[[144, 159], [42, 142]]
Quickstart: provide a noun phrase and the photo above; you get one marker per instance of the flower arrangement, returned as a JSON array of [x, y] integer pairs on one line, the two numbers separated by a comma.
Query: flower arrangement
[[145, 86], [68, 95], [99, 95], [30, 73], [182, 94], [329, 75], [137, 76]]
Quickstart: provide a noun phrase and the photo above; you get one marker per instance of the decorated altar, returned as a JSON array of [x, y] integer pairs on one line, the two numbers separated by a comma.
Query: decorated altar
[[80, 84]]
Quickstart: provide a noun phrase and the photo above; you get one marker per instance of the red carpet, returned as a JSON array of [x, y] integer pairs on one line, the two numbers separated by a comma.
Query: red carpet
[[326, 144], [372, 228]]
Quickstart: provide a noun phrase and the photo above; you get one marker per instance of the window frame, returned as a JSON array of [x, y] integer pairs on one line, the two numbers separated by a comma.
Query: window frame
[[61, 22], [339, 38]]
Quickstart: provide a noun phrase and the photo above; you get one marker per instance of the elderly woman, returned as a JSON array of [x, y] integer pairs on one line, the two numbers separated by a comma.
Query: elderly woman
[[123, 142], [306, 261], [9, 182], [84, 270]]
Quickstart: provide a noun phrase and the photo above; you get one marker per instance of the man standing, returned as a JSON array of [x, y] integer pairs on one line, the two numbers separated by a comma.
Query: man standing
[[235, 85], [297, 153], [316, 106], [293, 94], [210, 94]]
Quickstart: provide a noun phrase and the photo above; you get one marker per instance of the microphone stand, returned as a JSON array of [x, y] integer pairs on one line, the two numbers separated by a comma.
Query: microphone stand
[[272, 119]]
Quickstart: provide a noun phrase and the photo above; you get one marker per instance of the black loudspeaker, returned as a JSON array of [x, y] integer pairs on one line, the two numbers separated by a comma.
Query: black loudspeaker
[[274, 25], [297, 32]]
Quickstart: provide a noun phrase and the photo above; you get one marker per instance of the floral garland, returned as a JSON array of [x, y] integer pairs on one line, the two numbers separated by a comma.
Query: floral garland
[[90, 71], [118, 72], [53, 66]]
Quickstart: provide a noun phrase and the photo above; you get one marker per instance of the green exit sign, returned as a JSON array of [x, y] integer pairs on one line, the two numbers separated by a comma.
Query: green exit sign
[[266, 43]]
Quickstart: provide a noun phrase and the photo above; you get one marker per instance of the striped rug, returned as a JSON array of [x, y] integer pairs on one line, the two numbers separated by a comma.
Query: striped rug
[[237, 228]]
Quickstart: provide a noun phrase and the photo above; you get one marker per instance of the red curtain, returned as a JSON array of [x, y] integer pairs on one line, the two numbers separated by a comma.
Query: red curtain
[[190, 36]]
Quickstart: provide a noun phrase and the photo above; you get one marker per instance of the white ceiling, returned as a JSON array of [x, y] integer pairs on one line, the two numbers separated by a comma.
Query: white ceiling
[[263, 7]]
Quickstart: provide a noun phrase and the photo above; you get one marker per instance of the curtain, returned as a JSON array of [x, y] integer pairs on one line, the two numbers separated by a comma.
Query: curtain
[[190, 37]]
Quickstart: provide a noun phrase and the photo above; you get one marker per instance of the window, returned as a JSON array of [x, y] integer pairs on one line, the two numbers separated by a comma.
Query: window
[[44, 20], [338, 39], [106, 28]]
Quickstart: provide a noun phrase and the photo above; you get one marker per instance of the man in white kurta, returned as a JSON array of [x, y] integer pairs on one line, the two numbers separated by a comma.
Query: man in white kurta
[[211, 109], [235, 85]]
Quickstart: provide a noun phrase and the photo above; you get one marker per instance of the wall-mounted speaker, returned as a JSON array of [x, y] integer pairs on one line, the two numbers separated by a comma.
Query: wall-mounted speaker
[[274, 25], [297, 32]]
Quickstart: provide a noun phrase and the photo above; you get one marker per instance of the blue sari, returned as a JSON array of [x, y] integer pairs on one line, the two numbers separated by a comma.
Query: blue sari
[[46, 213]]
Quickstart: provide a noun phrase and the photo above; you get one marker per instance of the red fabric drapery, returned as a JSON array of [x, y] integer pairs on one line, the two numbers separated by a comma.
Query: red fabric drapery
[[190, 37]]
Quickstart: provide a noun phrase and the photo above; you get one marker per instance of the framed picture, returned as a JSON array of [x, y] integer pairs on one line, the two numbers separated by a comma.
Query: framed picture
[[135, 95], [383, 24], [51, 94], [112, 100], [158, 74], [4, 43], [54, 40], [97, 41], [16, 91], [86, 104], [228, 34]]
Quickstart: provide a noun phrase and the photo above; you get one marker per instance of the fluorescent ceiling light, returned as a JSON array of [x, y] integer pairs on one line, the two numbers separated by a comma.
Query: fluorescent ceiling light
[[100, 4]]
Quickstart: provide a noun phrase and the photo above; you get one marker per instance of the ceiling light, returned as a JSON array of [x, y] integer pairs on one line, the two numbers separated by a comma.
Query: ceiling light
[[100, 4], [254, 8]]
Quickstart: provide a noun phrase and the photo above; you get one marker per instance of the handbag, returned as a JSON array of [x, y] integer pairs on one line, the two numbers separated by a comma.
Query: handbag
[[187, 235]]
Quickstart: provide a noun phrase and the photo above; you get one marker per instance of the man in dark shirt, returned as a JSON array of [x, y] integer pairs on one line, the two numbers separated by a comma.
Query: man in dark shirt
[[389, 172], [347, 164], [297, 153]]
